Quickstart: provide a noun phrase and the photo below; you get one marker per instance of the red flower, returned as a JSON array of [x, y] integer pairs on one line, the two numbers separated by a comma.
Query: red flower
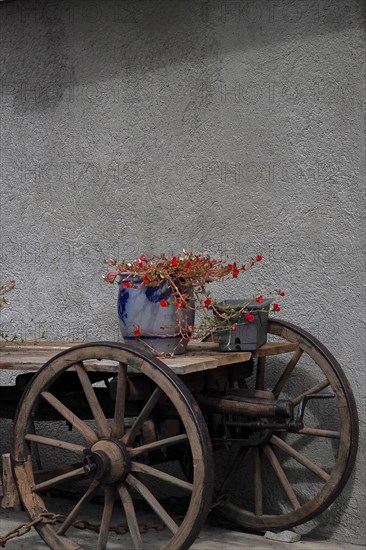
[[164, 303], [137, 332], [249, 317], [259, 299], [143, 258], [259, 257], [207, 302], [235, 272], [276, 307], [233, 328], [174, 261], [281, 293], [109, 277]]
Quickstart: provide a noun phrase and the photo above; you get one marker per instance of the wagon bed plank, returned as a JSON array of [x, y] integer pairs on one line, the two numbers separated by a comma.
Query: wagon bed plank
[[31, 356]]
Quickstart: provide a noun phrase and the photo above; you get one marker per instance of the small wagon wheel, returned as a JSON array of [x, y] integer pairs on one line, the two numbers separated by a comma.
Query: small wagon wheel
[[276, 479], [108, 454]]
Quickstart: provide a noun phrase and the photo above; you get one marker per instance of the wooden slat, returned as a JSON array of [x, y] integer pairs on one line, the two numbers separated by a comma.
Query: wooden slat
[[34, 357], [275, 348], [11, 497]]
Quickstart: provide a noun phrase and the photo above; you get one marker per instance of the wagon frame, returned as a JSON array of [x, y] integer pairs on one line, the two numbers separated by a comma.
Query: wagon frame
[[147, 410]]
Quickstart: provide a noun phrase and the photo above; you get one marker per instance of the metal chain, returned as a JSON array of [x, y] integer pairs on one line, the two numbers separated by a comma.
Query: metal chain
[[24, 528], [219, 500]]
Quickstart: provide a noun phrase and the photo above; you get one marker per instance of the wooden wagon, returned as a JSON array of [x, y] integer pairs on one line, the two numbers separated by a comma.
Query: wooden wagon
[[270, 437]]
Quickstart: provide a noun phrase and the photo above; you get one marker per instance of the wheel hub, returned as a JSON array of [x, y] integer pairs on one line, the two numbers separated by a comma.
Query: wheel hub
[[107, 461]]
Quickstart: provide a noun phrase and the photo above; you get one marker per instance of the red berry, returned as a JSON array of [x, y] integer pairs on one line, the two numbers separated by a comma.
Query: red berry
[[259, 299], [145, 279], [164, 303], [180, 303], [143, 258], [276, 307], [207, 302], [137, 332], [233, 327], [174, 261], [259, 257], [235, 272], [126, 284], [249, 317], [281, 293], [188, 264], [230, 266]]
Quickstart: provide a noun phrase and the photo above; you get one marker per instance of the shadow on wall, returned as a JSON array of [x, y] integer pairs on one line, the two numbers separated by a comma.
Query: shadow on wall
[[59, 46], [51, 48]]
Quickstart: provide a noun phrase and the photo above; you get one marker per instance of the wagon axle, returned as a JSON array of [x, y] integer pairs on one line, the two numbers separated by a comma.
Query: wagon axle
[[291, 425], [247, 406]]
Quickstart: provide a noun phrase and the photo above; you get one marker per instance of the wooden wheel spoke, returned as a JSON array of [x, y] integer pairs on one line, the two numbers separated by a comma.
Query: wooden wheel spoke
[[118, 428], [103, 427], [58, 479], [78, 508], [319, 432], [153, 503], [143, 416], [145, 469], [131, 518], [106, 518], [273, 460], [88, 434], [258, 483], [66, 445], [287, 372], [299, 457], [167, 442], [315, 389]]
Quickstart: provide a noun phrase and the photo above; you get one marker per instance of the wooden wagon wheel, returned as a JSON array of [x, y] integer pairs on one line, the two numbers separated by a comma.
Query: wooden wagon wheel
[[276, 479], [108, 455]]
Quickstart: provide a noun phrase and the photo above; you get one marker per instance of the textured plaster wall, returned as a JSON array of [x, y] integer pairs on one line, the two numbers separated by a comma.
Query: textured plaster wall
[[224, 127]]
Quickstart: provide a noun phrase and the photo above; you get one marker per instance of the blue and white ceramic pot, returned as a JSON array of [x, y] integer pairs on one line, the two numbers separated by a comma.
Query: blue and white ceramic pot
[[139, 308]]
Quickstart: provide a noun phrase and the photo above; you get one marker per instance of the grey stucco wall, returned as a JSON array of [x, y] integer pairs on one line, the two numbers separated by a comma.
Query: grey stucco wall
[[224, 127]]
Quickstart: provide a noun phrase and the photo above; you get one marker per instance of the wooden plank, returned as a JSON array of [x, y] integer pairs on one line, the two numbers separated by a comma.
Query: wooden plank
[[275, 348], [202, 359], [11, 497], [269, 348], [195, 363]]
